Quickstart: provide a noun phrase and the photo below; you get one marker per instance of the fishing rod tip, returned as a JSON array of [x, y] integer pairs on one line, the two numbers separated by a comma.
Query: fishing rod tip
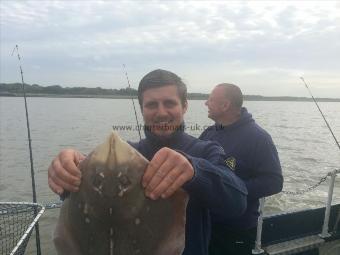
[[15, 47]]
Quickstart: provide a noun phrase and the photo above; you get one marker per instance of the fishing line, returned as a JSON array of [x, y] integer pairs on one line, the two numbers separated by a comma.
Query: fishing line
[[37, 236], [323, 116], [133, 102]]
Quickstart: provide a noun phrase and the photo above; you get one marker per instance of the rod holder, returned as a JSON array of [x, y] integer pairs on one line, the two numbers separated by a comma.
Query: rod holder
[[257, 249], [325, 233]]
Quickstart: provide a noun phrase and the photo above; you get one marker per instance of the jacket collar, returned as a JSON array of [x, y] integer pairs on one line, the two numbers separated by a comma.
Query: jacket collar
[[245, 117], [168, 141]]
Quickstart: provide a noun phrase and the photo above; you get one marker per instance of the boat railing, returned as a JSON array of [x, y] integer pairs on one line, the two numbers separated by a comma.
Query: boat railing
[[17, 220], [324, 231]]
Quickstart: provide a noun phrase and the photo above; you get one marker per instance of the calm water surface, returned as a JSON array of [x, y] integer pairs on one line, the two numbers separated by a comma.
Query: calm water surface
[[305, 146]]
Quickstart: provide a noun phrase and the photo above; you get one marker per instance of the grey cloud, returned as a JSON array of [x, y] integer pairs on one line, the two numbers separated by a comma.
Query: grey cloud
[[75, 37]]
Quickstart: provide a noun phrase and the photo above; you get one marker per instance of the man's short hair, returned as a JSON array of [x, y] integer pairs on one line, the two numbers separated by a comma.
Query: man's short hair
[[233, 93], [161, 78]]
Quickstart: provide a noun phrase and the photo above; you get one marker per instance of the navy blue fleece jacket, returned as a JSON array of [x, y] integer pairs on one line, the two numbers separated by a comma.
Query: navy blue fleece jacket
[[251, 152], [214, 189]]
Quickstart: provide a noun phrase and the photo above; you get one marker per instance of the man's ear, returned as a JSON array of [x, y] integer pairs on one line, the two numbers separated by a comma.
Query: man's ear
[[226, 105]]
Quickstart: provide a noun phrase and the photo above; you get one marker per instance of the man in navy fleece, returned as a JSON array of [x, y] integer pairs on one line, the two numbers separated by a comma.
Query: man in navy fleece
[[177, 160], [251, 153]]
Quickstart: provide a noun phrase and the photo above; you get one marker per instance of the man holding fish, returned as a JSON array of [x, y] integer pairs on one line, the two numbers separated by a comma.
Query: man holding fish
[[178, 161]]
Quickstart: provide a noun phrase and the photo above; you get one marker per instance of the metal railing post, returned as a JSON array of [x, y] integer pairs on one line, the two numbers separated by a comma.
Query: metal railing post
[[257, 249], [324, 232]]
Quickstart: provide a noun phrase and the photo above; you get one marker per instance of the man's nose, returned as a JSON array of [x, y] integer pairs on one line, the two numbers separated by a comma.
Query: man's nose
[[206, 102], [162, 110]]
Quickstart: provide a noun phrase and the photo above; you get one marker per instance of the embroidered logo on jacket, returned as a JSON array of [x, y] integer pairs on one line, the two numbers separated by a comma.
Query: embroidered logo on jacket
[[231, 163]]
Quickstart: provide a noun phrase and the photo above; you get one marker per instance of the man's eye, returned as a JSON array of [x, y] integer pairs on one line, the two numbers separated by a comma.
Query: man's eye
[[151, 105], [170, 104]]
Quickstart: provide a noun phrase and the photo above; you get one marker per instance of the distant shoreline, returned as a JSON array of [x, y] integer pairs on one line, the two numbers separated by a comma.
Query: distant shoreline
[[190, 97], [57, 91]]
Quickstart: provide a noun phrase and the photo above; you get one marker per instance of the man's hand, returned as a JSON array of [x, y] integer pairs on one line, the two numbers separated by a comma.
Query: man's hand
[[63, 173], [166, 173]]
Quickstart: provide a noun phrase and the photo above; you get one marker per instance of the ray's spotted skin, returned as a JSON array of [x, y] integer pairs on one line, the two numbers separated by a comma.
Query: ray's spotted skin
[[111, 215]]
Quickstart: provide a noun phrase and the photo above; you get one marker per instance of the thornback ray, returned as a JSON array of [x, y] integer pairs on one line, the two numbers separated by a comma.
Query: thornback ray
[[111, 215]]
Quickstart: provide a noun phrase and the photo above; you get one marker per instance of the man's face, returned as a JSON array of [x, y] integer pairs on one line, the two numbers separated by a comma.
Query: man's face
[[217, 103], [162, 110]]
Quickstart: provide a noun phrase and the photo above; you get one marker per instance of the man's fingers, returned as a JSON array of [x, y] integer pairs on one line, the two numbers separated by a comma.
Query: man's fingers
[[180, 180], [72, 169], [57, 184], [63, 173], [69, 160], [154, 165], [169, 176], [59, 172], [165, 183], [79, 157], [66, 186], [54, 187], [159, 175]]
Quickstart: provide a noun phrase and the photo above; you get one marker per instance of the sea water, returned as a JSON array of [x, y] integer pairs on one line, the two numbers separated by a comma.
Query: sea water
[[306, 148]]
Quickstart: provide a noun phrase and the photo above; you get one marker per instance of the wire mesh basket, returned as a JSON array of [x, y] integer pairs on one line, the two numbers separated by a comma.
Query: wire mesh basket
[[17, 220]]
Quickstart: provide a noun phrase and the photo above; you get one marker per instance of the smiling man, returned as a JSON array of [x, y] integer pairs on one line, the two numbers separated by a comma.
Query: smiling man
[[162, 110], [251, 153], [177, 161]]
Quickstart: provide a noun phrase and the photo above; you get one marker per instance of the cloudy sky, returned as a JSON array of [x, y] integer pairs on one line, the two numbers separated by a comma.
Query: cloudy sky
[[264, 47]]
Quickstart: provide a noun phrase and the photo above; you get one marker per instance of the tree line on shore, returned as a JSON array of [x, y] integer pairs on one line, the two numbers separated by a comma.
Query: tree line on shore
[[15, 89]]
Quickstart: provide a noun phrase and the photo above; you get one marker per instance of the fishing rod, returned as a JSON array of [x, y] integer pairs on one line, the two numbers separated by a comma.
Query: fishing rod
[[37, 235], [323, 116], [133, 102]]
